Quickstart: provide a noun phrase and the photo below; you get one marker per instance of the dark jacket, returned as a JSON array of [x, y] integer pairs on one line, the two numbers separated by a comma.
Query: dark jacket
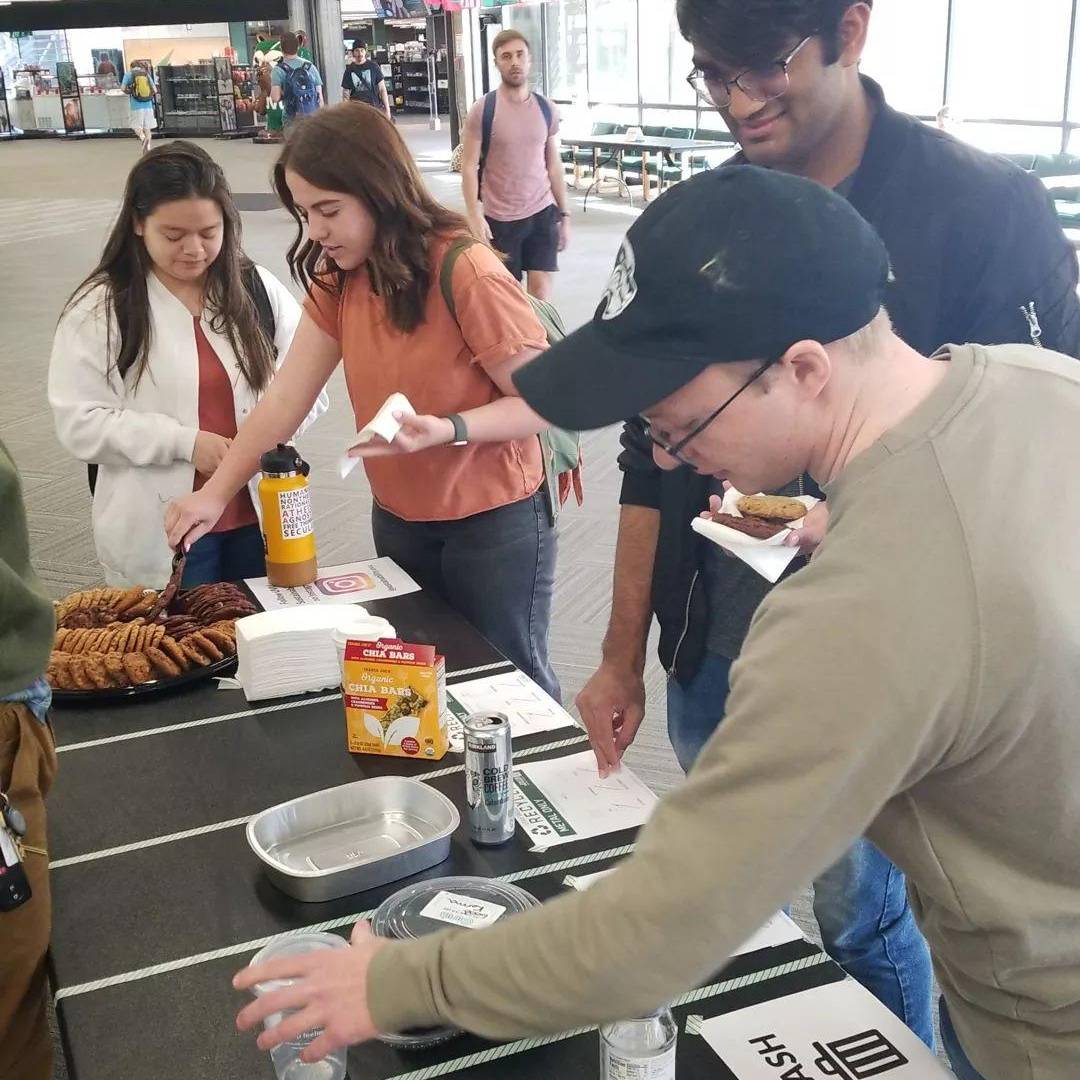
[[974, 243]]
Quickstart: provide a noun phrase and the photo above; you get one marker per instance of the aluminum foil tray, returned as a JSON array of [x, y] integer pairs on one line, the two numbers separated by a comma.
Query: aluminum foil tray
[[355, 837]]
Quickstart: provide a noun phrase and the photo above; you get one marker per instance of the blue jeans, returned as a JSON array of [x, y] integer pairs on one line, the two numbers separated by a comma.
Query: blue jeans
[[957, 1058], [861, 902], [496, 568], [225, 556]]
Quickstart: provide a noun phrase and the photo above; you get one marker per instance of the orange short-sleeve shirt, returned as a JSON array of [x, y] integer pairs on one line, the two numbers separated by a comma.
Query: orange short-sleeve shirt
[[441, 368]]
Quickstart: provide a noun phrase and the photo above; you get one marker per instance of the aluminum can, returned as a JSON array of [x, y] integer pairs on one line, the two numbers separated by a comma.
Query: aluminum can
[[489, 779]]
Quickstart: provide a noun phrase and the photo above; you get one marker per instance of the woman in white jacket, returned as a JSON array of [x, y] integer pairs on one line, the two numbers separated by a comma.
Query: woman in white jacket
[[158, 357]]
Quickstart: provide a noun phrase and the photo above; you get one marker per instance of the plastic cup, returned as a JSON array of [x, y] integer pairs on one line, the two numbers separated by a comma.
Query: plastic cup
[[359, 626], [286, 1056]]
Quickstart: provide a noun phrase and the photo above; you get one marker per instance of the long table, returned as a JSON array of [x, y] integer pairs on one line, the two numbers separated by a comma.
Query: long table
[[617, 145], [158, 900]]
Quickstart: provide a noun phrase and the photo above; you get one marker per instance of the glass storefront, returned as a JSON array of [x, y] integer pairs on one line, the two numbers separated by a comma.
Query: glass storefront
[[1004, 78]]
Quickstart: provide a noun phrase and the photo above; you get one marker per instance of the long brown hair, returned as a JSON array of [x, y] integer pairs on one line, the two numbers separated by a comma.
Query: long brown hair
[[179, 170], [354, 149]]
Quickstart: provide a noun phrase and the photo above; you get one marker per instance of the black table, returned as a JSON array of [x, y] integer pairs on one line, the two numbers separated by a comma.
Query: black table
[[617, 145], [158, 900]]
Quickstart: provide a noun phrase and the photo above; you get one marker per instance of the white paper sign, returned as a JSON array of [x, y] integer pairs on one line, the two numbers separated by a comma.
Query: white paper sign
[[460, 910], [837, 1032], [779, 930], [513, 693], [349, 583], [564, 799]]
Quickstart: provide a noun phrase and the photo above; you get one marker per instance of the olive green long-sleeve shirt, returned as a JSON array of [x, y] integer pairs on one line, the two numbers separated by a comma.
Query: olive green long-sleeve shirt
[[919, 681]]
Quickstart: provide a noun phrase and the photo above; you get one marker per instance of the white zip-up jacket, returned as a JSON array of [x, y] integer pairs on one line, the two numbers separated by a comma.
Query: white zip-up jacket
[[143, 437]]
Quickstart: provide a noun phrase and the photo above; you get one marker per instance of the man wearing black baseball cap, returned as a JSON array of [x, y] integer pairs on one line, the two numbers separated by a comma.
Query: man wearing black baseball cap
[[918, 680]]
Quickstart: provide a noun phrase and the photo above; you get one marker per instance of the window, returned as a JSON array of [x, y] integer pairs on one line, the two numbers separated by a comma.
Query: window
[[526, 20], [905, 52], [567, 50], [1009, 59], [612, 37], [666, 56]]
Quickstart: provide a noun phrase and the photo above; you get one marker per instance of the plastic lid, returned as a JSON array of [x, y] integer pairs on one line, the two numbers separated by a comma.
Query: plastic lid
[[402, 917], [283, 459], [357, 625]]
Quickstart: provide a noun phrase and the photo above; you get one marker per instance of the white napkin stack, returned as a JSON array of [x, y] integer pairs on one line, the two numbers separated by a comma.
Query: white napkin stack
[[770, 558], [292, 650]]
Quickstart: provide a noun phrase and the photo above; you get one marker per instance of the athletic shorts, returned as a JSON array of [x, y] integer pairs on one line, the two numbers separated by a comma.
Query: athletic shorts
[[529, 244], [143, 120]]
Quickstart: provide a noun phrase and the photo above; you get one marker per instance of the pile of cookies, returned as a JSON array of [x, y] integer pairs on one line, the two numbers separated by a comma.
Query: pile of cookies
[[104, 640]]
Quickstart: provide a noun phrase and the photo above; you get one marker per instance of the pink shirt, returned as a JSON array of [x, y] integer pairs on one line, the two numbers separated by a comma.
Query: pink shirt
[[515, 183]]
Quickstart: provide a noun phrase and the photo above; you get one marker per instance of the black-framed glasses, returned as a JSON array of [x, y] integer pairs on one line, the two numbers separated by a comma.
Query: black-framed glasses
[[758, 84], [675, 450]]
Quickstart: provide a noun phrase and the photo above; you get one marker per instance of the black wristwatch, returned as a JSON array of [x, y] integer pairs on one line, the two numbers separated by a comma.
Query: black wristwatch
[[461, 432]]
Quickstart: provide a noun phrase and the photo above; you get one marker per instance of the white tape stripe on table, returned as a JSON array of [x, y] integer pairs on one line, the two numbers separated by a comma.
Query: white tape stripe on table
[[185, 725], [258, 711], [332, 924], [202, 830], [496, 1053]]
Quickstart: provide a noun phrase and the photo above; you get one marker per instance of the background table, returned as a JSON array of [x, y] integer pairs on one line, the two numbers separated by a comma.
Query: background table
[[158, 900], [648, 144]]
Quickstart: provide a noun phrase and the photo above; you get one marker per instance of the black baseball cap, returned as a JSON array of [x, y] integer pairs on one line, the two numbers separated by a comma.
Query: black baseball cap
[[737, 263]]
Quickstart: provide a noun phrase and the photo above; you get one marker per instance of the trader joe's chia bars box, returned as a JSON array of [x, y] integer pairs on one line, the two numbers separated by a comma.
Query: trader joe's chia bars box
[[395, 699]]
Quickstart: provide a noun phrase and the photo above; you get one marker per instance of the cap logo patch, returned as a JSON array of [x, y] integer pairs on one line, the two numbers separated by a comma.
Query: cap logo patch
[[621, 288]]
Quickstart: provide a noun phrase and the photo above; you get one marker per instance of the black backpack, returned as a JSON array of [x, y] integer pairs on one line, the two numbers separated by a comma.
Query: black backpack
[[256, 288], [487, 122]]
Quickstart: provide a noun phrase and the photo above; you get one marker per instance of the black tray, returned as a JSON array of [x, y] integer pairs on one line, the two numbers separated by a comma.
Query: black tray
[[81, 698]]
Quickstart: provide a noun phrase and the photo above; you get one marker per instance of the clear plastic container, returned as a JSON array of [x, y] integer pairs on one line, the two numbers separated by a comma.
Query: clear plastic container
[[286, 1056], [642, 1049], [437, 904], [358, 625]]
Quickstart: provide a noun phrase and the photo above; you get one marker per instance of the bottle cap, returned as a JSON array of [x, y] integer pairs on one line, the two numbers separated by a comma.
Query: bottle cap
[[283, 460]]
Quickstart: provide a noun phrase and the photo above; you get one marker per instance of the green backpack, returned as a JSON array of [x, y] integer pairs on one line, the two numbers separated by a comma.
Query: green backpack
[[561, 449]]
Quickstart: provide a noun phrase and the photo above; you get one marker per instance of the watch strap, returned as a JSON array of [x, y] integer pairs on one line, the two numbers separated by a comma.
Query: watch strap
[[461, 432]]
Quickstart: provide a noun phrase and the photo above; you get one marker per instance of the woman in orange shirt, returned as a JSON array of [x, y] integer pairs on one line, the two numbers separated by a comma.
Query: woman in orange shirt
[[458, 499]]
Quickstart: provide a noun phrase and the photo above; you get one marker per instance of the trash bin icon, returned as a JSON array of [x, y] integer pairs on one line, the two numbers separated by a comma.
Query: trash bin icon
[[860, 1056]]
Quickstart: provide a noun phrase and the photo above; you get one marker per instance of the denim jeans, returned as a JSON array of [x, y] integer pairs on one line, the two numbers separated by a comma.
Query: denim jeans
[[957, 1058], [861, 902], [225, 556], [496, 568]]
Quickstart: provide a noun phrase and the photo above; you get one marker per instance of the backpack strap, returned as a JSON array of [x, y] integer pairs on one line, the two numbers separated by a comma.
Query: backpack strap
[[264, 307], [546, 110], [446, 272], [487, 123]]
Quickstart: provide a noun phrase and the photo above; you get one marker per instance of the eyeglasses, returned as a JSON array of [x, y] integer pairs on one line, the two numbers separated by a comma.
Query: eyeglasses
[[675, 450], [761, 84]]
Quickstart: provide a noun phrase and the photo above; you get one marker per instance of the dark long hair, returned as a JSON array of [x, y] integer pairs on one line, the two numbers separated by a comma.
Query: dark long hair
[[354, 149], [179, 170]]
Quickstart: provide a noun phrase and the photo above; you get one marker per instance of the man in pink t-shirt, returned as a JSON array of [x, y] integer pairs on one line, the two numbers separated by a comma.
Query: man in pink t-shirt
[[515, 188]]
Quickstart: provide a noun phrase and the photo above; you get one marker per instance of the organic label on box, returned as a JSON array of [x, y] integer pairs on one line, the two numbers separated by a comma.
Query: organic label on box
[[395, 699], [460, 910]]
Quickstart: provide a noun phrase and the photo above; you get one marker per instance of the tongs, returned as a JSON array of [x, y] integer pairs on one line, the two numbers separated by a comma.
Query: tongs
[[168, 594]]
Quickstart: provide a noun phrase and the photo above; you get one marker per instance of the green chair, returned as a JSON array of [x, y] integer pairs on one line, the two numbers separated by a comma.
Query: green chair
[[584, 158], [703, 160], [631, 161]]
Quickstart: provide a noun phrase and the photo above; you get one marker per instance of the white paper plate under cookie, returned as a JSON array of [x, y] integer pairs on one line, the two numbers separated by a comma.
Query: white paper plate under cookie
[[771, 557]]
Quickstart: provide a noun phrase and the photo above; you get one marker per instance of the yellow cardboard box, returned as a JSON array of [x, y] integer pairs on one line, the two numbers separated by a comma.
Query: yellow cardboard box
[[395, 699]]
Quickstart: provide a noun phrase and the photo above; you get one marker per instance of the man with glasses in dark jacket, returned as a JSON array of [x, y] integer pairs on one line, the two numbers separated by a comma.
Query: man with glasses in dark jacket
[[976, 255]]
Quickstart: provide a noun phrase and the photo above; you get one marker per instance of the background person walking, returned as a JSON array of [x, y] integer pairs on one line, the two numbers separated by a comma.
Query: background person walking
[[295, 81], [511, 172]]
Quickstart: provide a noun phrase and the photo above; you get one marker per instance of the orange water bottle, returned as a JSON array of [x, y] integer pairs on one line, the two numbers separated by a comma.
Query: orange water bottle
[[288, 530]]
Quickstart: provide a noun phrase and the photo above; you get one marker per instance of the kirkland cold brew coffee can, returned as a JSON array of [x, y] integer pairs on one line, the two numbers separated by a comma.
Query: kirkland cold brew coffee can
[[489, 781]]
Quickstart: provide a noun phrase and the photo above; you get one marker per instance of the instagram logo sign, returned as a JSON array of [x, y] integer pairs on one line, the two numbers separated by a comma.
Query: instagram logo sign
[[345, 583]]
